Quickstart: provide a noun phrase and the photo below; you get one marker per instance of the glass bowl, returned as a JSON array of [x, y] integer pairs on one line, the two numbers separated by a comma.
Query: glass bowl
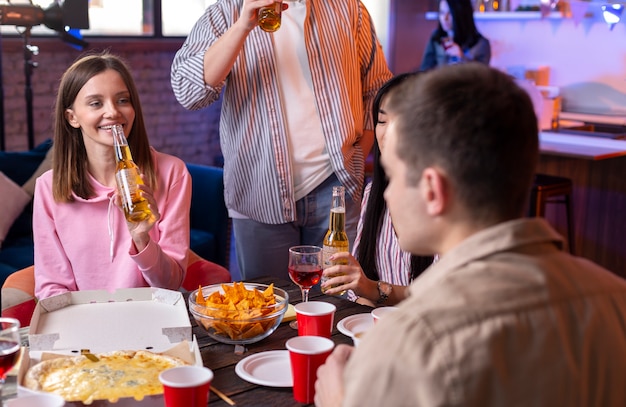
[[229, 325]]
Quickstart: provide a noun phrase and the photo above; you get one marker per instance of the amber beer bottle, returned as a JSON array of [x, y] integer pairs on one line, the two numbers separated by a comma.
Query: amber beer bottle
[[336, 239], [127, 177]]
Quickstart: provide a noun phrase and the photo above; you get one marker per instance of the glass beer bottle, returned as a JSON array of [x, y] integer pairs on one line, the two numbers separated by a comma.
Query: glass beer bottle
[[127, 177], [336, 239]]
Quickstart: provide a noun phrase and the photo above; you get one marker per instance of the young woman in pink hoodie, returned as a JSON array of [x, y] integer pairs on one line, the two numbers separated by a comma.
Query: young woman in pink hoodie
[[82, 239]]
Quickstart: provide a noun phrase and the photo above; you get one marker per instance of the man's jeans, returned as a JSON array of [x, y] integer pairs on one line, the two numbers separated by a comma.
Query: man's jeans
[[263, 250]]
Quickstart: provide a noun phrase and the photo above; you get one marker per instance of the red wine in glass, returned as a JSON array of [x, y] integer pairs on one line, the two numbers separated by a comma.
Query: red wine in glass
[[9, 352], [9, 346], [305, 269], [305, 275]]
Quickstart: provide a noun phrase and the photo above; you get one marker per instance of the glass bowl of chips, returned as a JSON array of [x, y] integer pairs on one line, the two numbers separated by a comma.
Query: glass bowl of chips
[[238, 313]]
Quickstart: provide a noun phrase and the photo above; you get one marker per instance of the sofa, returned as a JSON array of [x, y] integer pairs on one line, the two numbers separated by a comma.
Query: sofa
[[210, 225], [16, 250]]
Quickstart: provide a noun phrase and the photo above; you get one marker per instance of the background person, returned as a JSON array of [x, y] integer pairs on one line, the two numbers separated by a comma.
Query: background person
[[82, 239], [456, 38], [378, 271], [505, 317], [295, 119]]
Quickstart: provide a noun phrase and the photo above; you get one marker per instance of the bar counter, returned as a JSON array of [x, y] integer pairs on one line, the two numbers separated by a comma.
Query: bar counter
[[597, 168]]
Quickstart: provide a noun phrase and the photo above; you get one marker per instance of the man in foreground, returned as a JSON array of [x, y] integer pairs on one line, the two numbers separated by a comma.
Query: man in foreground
[[505, 317]]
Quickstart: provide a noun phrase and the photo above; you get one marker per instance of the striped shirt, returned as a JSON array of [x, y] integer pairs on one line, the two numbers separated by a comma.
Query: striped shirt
[[394, 264], [347, 68]]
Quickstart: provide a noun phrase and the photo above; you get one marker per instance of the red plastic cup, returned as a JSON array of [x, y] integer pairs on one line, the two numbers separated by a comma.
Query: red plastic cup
[[186, 386], [306, 354], [315, 318]]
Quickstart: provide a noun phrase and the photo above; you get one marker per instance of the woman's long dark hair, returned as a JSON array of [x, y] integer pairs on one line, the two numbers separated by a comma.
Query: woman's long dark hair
[[376, 206], [465, 32]]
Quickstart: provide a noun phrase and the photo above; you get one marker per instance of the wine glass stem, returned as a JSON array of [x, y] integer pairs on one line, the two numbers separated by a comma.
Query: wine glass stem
[[305, 294]]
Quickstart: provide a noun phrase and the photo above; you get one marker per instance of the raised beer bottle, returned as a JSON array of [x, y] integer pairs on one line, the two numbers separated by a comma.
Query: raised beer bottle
[[135, 206], [336, 239]]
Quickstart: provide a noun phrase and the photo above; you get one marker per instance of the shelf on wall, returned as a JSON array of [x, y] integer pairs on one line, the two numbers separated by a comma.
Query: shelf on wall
[[506, 15]]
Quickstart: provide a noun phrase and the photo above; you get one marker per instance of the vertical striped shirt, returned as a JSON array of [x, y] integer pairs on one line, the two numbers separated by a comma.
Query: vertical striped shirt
[[347, 68]]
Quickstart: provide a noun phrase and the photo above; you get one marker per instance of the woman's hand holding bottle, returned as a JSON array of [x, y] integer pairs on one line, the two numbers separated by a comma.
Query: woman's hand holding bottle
[[451, 48], [350, 276], [139, 230]]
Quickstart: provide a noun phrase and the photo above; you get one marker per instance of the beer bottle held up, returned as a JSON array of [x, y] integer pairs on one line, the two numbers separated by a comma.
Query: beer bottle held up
[[135, 206], [336, 239]]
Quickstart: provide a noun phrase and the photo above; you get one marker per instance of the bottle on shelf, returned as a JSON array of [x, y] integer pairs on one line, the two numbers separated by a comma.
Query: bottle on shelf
[[135, 206], [336, 239]]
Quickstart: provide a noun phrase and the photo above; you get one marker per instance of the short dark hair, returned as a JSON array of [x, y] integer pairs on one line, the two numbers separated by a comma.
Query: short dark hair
[[479, 126]]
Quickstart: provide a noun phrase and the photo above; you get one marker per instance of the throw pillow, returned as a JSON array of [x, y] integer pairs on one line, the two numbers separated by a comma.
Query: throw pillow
[[46, 164], [13, 199]]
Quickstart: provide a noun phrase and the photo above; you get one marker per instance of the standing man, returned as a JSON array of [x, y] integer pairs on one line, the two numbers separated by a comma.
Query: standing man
[[295, 120], [505, 317]]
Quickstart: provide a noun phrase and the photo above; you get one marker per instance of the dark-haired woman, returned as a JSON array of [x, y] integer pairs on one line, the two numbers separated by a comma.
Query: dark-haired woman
[[383, 271], [456, 39]]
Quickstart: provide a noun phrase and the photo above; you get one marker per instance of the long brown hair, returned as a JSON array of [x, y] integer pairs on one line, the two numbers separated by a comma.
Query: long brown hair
[[70, 164]]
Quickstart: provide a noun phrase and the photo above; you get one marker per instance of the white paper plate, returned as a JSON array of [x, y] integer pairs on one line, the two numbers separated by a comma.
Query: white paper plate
[[271, 368], [355, 323]]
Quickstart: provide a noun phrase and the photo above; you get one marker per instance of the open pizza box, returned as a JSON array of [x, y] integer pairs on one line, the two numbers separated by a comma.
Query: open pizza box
[[128, 319]]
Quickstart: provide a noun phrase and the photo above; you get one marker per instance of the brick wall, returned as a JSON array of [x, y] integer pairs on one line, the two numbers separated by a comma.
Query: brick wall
[[192, 136]]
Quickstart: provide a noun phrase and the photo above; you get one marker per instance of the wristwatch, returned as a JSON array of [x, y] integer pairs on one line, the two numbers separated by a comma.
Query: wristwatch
[[384, 290]]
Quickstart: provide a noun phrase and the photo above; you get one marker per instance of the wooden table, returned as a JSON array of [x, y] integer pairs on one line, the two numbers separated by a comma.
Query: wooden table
[[222, 360]]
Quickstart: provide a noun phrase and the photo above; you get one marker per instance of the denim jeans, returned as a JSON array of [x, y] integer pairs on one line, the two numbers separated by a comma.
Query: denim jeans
[[263, 250]]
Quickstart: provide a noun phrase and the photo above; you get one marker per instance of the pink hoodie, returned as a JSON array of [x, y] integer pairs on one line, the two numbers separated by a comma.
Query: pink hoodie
[[85, 244]]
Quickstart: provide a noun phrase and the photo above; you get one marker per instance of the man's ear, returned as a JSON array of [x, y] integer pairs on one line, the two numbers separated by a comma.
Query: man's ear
[[435, 191], [71, 118]]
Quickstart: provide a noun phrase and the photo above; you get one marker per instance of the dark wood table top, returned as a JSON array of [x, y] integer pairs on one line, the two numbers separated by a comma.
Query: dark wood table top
[[221, 358]]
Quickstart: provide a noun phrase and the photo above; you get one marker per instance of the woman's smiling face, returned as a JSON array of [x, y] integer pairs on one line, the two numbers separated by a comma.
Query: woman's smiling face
[[103, 101]]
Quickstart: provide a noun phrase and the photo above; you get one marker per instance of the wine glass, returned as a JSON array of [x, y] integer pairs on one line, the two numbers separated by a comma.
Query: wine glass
[[9, 346], [305, 269]]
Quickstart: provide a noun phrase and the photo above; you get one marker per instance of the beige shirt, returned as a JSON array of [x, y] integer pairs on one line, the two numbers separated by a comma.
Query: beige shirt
[[505, 319]]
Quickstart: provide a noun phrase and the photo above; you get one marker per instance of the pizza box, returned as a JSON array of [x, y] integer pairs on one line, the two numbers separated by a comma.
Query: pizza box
[[147, 318]]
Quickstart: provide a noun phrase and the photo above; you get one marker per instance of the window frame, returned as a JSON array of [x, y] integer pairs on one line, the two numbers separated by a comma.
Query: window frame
[[156, 23]]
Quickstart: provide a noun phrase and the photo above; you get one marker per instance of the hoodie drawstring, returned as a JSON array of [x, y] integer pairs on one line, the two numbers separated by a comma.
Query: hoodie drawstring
[[110, 227]]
